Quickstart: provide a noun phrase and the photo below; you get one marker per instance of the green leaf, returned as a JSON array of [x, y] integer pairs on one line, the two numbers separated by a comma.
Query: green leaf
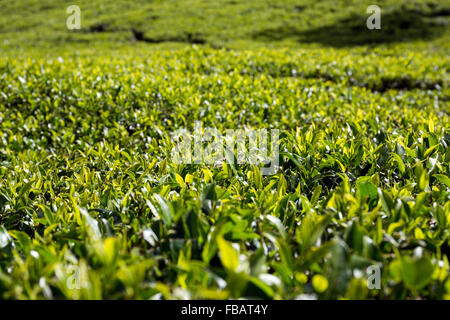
[[320, 283], [150, 236], [443, 178], [278, 224], [5, 238], [386, 201], [400, 164], [316, 194], [180, 180], [228, 256], [311, 229], [286, 255], [91, 223], [367, 189], [354, 237], [416, 273], [423, 180], [208, 197], [161, 209]]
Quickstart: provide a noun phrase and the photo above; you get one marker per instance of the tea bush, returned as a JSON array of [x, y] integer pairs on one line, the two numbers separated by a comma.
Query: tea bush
[[93, 206]]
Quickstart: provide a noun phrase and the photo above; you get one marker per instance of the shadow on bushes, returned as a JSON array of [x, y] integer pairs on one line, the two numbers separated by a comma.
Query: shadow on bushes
[[396, 26]]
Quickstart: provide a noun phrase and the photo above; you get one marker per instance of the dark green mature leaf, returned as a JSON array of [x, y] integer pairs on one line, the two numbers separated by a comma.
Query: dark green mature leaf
[[416, 273]]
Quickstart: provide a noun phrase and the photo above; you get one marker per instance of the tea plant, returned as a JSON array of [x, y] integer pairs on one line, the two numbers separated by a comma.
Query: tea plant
[[92, 205]]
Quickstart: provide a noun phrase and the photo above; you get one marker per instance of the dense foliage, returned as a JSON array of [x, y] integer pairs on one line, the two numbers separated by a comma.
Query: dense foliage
[[92, 205]]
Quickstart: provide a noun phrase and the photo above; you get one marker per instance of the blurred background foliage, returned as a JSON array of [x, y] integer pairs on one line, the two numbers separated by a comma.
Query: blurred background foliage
[[224, 23]]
